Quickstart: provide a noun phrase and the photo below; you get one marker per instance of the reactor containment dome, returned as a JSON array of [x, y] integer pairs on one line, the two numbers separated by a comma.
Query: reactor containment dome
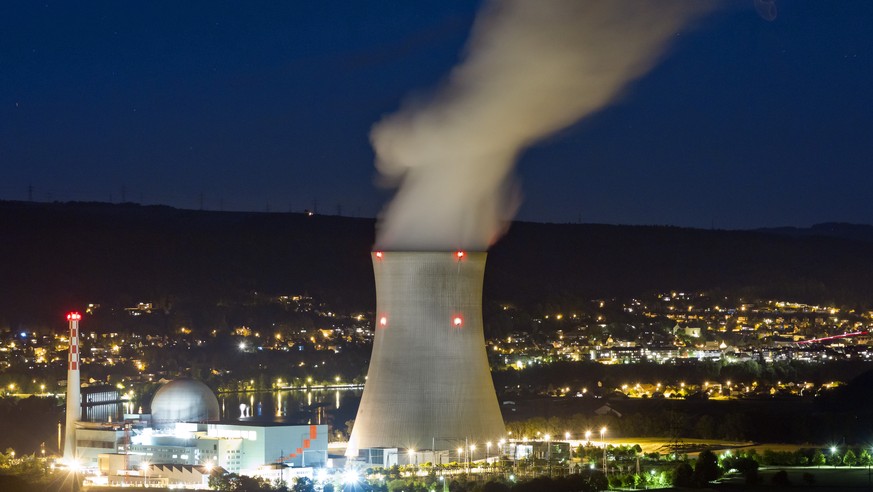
[[184, 400]]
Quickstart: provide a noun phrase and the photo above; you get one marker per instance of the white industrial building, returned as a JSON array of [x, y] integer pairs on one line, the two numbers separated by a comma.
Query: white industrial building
[[182, 439]]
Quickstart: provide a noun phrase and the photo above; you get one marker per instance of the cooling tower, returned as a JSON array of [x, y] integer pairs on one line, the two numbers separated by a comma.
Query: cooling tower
[[429, 383]]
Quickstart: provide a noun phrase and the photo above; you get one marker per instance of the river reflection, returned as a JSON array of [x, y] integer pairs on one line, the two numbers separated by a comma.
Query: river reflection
[[318, 406]]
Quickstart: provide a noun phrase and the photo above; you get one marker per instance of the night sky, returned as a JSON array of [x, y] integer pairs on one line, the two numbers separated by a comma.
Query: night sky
[[255, 106]]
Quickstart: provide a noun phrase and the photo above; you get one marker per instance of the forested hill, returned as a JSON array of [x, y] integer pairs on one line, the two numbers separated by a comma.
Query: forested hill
[[59, 256]]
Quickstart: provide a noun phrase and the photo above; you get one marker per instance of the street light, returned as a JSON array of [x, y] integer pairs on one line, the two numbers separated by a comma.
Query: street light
[[603, 443], [487, 450], [145, 468], [588, 436], [547, 438]]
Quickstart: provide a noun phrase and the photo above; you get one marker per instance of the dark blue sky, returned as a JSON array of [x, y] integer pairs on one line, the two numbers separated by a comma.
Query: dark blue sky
[[746, 123]]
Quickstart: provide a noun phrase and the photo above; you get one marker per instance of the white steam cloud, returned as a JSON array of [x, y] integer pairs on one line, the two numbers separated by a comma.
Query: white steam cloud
[[532, 67]]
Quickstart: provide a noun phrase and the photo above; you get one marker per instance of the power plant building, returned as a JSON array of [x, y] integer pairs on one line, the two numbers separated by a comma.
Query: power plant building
[[183, 437]]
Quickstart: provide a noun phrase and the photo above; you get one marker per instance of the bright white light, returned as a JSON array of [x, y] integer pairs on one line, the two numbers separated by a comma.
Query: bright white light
[[350, 477], [321, 475], [242, 345]]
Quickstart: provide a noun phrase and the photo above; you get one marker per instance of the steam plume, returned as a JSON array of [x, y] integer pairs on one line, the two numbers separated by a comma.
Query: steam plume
[[766, 9], [531, 67]]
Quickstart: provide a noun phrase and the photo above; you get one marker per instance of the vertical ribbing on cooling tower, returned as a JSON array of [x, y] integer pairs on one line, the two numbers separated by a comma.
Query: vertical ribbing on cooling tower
[[429, 381]]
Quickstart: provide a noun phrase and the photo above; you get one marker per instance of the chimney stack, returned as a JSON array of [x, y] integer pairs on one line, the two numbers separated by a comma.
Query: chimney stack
[[74, 404]]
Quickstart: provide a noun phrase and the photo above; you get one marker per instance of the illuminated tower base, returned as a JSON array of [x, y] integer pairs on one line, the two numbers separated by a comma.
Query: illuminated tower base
[[429, 383]]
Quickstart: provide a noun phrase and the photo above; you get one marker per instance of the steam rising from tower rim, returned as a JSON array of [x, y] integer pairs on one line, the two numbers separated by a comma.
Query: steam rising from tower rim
[[529, 70]]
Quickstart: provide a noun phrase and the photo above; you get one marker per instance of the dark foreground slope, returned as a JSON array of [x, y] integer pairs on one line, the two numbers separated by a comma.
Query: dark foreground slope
[[55, 257]]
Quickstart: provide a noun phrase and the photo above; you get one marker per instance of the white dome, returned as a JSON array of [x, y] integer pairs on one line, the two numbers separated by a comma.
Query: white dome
[[184, 400]]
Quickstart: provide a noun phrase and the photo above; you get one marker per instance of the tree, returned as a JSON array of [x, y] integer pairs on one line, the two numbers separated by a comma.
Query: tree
[[834, 459], [303, 484], [747, 466], [849, 459], [706, 469], [493, 486], [864, 458], [683, 475], [818, 458]]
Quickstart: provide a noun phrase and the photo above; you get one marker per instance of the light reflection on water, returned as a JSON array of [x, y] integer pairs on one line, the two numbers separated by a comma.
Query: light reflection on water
[[314, 406], [324, 406]]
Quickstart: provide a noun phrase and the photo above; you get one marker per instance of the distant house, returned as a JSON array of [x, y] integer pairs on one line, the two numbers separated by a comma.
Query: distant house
[[688, 331], [607, 410]]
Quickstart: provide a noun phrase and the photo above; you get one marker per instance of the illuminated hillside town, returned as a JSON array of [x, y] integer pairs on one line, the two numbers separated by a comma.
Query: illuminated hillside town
[[668, 328]]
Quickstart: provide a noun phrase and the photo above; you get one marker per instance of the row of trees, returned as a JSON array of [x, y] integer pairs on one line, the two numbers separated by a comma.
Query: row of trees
[[809, 457], [733, 421]]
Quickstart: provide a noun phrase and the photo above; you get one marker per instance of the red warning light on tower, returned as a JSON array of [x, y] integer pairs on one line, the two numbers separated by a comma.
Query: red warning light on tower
[[460, 254], [383, 321], [458, 321], [74, 317], [379, 254]]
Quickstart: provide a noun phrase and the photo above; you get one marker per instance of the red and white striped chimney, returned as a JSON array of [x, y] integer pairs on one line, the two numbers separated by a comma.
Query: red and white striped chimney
[[74, 404]]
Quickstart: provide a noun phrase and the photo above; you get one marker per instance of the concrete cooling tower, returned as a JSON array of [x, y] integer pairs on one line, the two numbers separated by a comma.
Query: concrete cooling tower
[[429, 384]]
